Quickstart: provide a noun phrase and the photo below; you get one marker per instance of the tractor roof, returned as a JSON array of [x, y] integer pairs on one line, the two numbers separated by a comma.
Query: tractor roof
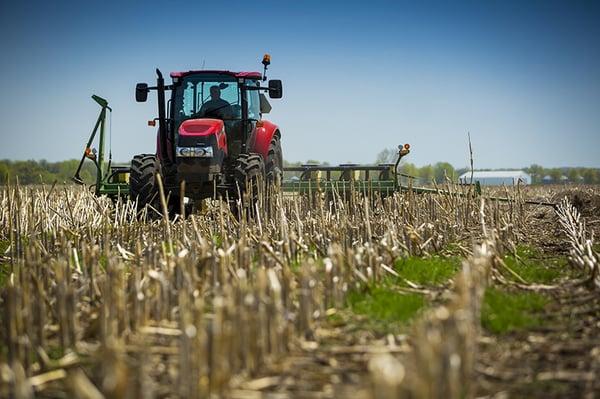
[[249, 75]]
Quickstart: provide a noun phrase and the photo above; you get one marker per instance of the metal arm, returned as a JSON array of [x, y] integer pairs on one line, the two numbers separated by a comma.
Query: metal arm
[[87, 152], [403, 150]]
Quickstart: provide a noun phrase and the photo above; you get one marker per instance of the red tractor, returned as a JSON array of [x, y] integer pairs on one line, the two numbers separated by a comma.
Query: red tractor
[[211, 135]]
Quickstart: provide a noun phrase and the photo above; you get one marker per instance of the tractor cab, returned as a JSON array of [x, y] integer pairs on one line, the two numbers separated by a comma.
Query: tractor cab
[[201, 100]]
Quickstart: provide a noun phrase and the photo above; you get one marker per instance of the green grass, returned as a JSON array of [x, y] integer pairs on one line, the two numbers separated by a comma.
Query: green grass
[[427, 271], [386, 309], [534, 267], [4, 273], [504, 312], [217, 240], [452, 249], [4, 267], [54, 352], [103, 261], [4, 244]]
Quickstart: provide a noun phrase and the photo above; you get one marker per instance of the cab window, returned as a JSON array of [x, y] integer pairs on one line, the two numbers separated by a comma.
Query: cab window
[[253, 101]]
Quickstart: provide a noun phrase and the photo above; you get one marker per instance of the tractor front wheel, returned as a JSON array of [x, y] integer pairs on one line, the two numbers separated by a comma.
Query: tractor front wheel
[[249, 178], [274, 164], [143, 184]]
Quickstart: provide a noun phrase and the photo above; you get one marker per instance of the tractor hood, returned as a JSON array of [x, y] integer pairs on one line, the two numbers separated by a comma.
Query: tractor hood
[[203, 133], [200, 127]]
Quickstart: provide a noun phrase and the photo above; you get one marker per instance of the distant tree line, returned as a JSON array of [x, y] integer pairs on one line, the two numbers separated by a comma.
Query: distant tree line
[[37, 172], [539, 175]]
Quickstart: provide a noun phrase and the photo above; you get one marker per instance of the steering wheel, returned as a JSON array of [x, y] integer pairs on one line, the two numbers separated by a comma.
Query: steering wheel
[[214, 112], [236, 110]]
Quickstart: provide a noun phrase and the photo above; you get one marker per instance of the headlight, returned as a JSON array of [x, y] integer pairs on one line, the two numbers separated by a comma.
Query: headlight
[[194, 152]]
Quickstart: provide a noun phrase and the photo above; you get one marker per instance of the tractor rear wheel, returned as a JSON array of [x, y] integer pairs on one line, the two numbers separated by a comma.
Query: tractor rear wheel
[[274, 164], [249, 175], [143, 184]]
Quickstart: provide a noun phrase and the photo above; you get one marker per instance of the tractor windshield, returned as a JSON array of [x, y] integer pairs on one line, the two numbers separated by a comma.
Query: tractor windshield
[[202, 96], [214, 96]]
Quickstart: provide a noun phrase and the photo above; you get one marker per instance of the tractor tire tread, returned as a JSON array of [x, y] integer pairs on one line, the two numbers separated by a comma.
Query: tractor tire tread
[[143, 185], [274, 163]]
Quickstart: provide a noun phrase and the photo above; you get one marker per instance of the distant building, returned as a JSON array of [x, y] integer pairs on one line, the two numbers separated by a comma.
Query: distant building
[[496, 177]]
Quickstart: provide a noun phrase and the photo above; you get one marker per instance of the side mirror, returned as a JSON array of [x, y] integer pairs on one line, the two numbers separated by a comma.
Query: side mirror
[[275, 89], [141, 92]]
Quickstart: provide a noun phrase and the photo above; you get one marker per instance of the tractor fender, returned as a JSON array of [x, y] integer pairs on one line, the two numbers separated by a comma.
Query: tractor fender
[[263, 136]]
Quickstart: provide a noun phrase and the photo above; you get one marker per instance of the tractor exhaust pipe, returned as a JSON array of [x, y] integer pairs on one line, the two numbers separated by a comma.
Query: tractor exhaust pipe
[[162, 119]]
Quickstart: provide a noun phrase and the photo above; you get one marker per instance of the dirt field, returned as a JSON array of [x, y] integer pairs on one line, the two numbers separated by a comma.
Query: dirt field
[[411, 295]]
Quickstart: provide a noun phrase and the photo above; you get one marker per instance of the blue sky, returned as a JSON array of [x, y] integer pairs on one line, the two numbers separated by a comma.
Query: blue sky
[[522, 77]]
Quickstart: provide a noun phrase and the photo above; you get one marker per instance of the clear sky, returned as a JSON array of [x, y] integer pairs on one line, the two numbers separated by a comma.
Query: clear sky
[[522, 77]]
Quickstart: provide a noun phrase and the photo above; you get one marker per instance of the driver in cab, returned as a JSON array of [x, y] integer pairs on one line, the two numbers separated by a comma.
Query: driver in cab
[[216, 107]]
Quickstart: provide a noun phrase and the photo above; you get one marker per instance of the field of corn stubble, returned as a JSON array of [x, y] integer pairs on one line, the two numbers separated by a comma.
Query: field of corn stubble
[[428, 296]]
